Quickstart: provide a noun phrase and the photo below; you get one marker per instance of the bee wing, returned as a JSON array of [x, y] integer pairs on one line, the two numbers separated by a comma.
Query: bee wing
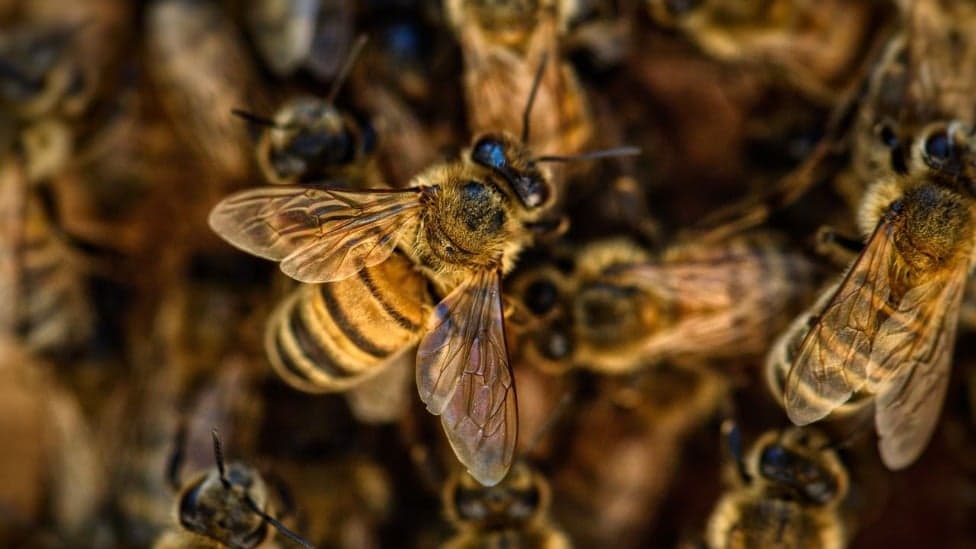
[[463, 375], [877, 321], [319, 235], [908, 405]]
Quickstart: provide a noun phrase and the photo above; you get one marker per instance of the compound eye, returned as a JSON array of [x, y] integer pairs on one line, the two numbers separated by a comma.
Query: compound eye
[[489, 153], [937, 146], [540, 296]]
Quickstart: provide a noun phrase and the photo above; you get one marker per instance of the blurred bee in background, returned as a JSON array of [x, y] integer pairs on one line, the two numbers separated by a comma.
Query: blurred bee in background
[[52, 473], [625, 449], [514, 512], [785, 493], [622, 309], [226, 506], [503, 44], [461, 224], [788, 36], [310, 140], [43, 297], [197, 63], [302, 34], [888, 328]]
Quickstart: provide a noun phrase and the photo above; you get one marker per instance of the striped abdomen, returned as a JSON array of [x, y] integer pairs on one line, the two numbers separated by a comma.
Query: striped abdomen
[[43, 299], [330, 337]]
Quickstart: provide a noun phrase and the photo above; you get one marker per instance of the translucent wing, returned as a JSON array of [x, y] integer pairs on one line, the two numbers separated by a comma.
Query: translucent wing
[[319, 235], [463, 375], [879, 315], [908, 405]]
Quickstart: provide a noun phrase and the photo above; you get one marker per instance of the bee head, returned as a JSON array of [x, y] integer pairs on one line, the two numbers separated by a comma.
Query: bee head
[[508, 158], [309, 139], [217, 507], [518, 499], [799, 463]]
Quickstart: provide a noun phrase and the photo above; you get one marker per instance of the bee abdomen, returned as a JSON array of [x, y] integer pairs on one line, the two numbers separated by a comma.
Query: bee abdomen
[[329, 337]]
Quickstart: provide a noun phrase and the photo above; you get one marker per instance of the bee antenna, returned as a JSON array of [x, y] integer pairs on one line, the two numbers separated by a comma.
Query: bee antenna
[[733, 444], [285, 531], [535, 88], [255, 118], [219, 459], [176, 459], [340, 79], [605, 153]]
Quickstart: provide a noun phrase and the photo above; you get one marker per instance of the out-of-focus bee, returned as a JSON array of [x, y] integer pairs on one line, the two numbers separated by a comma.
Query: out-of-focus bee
[[888, 329], [512, 513], [461, 224], [787, 35], [786, 493], [52, 474], [310, 140], [198, 65], [295, 34], [226, 506], [626, 447], [503, 43], [623, 309], [43, 297]]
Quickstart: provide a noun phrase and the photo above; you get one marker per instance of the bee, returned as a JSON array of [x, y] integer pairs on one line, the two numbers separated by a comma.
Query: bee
[[625, 309], [786, 493], [198, 66], [502, 44], [513, 513], [310, 140], [54, 479], [887, 329], [460, 225], [626, 449], [229, 505], [786, 35], [44, 297]]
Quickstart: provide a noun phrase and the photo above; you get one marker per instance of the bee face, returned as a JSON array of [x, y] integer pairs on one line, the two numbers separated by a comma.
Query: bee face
[[517, 500], [798, 462], [604, 313], [311, 139], [209, 508], [512, 161]]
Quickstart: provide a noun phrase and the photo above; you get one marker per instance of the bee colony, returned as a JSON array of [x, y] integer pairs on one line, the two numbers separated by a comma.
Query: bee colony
[[487, 273]]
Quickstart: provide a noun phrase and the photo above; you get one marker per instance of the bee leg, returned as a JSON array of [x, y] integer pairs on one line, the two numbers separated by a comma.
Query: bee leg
[[838, 248]]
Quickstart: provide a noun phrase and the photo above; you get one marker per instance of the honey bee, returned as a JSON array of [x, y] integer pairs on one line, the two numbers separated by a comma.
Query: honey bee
[[502, 44], [512, 513], [624, 309], [785, 35], [43, 293], [227, 506], [786, 493], [198, 66], [461, 225], [887, 330], [54, 480], [310, 140]]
